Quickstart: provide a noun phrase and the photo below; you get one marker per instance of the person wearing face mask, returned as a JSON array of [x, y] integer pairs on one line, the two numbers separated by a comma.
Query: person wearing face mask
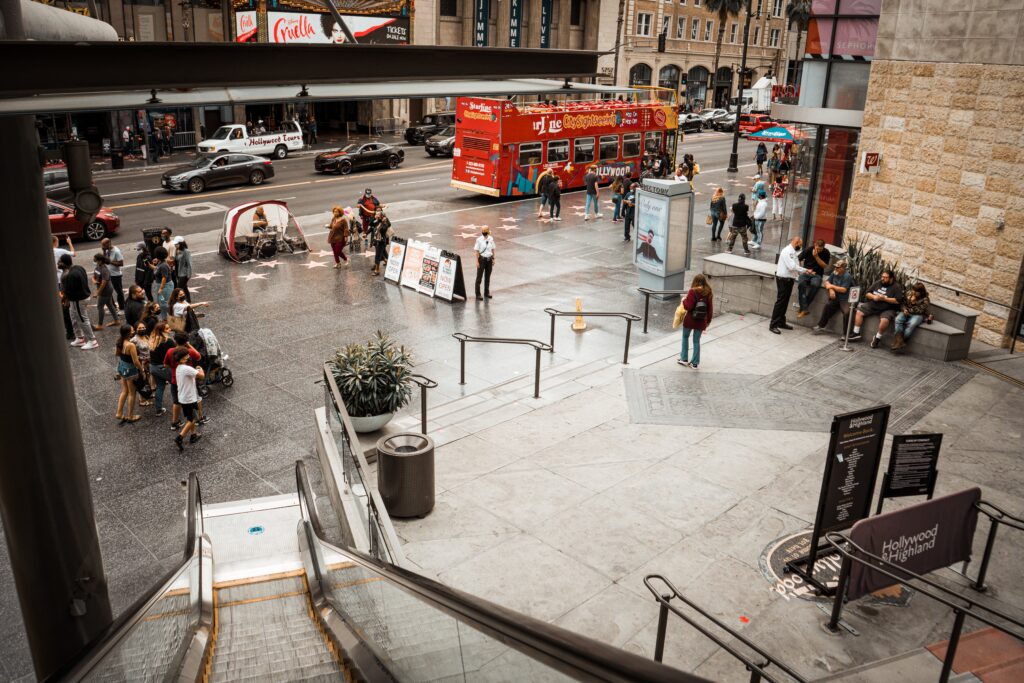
[[368, 205], [484, 249]]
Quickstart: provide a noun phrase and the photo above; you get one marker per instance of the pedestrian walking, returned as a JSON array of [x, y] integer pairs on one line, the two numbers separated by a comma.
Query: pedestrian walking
[[740, 224], [144, 270], [115, 263], [555, 199], [590, 181], [104, 292], [69, 331], [616, 190], [484, 249], [760, 217], [128, 368], [338, 235], [126, 140], [628, 209], [690, 167], [381, 236], [171, 361], [774, 161], [368, 205], [183, 267], [717, 213], [787, 271], [778, 195], [186, 376], [312, 130], [699, 309], [74, 284], [544, 180], [760, 156]]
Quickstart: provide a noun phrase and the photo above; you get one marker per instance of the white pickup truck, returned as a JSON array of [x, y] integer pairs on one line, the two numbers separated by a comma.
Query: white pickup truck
[[235, 138]]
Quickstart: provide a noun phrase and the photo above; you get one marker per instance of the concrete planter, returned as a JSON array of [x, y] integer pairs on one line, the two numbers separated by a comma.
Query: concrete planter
[[363, 425]]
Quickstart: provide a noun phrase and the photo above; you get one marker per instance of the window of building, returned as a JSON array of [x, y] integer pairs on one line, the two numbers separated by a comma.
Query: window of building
[[696, 3], [773, 38], [643, 24], [757, 36], [530, 153], [681, 28], [758, 12], [449, 8], [732, 34], [630, 145], [694, 29], [777, 8], [682, 2], [668, 77], [575, 12], [558, 151], [640, 74], [652, 142], [708, 28], [582, 150], [609, 149]]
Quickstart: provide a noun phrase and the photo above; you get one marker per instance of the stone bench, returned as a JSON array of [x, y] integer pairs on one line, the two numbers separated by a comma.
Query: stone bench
[[746, 285]]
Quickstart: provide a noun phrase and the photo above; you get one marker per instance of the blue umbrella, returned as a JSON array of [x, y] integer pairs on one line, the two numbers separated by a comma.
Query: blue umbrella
[[775, 133]]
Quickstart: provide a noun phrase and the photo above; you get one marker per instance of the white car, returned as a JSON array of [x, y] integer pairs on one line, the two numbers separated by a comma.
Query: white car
[[235, 138]]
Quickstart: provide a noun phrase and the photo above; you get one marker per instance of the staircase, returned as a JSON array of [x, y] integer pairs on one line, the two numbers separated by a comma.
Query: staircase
[[266, 632]]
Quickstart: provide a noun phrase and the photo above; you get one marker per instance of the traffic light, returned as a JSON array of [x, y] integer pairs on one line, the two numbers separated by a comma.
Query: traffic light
[[662, 37], [87, 198]]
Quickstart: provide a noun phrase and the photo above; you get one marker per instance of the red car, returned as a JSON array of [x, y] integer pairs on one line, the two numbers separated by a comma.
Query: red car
[[752, 123], [63, 222]]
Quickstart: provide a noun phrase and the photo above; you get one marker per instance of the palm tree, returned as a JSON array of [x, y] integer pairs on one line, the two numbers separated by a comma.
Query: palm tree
[[724, 9], [798, 12]]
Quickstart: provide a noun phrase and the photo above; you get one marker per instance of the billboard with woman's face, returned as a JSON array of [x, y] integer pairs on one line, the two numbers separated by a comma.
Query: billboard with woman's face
[[362, 21]]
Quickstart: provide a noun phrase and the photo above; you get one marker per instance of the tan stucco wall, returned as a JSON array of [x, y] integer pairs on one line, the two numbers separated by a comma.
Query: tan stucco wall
[[952, 173]]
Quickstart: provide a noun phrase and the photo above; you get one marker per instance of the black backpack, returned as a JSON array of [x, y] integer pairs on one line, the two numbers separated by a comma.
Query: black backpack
[[700, 310]]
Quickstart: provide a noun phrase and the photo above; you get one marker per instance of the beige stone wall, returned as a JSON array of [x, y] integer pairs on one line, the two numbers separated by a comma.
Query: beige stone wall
[[948, 202]]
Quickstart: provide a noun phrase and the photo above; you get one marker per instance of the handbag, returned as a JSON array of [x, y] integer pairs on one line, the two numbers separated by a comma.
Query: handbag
[[677, 319], [707, 220], [176, 323]]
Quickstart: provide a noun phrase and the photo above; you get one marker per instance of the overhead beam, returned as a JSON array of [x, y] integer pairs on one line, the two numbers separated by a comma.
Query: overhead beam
[[62, 68]]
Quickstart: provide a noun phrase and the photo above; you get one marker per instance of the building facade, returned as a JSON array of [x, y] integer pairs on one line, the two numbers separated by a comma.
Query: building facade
[[688, 61]]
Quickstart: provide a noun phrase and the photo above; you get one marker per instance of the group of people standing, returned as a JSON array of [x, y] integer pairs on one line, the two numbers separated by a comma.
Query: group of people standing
[[743, 221], [373, 225]]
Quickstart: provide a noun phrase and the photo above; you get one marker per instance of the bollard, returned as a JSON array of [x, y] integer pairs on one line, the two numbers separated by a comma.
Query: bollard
[[579, 324]]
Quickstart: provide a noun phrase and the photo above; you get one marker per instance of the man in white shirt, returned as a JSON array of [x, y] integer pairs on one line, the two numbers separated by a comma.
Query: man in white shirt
[[484, 249], [188, 396], [69, 332], [787, 271]]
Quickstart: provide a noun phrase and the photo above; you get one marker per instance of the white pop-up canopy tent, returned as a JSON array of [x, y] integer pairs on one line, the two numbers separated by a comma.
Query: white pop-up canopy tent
[[239, 241]]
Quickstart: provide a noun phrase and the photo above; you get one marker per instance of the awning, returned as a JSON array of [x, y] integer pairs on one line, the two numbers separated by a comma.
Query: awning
[[140, 99]]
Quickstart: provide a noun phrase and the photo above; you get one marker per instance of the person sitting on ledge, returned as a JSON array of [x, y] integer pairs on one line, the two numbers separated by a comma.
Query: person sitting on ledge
[[913, 312], [814, 258], [883, 299], [838, 286]]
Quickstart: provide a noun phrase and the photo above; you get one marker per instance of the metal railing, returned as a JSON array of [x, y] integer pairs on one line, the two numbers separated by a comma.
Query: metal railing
[[538, 346], [381, 537], [424, 384], [851, 553], [628, 317], [184, 139], [757, 668], [1018, 318], [468, 625], [996, 516]]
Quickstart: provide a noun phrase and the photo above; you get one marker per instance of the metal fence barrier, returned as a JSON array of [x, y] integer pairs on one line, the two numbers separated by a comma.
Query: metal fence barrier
[[538, 346], [628, 317]]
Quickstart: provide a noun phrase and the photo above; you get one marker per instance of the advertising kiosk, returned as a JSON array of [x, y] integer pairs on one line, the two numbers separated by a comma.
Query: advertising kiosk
[[664, 233]]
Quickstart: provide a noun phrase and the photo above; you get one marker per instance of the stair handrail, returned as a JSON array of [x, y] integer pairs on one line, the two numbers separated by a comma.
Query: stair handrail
[[563, 650], [757, 669], [424, 383], [93, 654], [648, 293], [538, 346], [996, 516], [852, 552], [630, 318]]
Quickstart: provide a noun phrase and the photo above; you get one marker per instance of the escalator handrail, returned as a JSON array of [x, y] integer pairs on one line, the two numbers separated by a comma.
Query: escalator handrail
[[93, 653], [566, 651]]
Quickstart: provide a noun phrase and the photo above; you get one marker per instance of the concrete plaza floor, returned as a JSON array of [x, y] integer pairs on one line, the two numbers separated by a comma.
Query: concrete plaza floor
[[556, 506]]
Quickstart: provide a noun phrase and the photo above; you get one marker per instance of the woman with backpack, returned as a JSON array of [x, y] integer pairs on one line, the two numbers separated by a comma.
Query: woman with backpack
[[699, 310]]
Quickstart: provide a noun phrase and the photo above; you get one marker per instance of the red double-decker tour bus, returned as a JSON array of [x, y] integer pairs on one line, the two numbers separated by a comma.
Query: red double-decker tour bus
[[501, 147]]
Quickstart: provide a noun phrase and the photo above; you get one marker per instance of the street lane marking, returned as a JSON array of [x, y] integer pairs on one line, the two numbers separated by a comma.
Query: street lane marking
[[120, 194], [413, 182]]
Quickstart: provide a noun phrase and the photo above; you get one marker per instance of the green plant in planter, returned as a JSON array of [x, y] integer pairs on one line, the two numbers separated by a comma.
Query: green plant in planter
[[373, 378], [866, 263]]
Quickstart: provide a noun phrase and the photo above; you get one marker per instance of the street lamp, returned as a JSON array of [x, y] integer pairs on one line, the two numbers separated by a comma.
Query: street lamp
[[734, 156]]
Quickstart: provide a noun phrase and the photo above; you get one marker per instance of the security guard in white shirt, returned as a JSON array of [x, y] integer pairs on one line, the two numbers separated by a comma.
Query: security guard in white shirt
[[786, 273], [484, 249]]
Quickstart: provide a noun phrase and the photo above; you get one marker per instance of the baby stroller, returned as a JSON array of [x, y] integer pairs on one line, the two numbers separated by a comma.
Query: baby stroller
[[213, 359]]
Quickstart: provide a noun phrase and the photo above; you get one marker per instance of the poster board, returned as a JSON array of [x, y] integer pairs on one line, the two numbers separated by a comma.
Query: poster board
[[651, 250], [413, 266], [451, 281], [848, 483], [428, 271], [396, 257], [912, 469]]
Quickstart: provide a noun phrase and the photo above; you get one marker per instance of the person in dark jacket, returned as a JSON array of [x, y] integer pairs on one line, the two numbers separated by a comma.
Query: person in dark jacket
[[718, 211], [740, 223], [760, 156], [555, 199], [134, 306], [628, 208], [699, 311], [143, 271], [74, 283]]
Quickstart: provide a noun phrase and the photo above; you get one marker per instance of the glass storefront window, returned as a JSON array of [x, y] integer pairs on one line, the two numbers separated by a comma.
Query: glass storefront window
[[833, 182], [848, 86], [801, 162]]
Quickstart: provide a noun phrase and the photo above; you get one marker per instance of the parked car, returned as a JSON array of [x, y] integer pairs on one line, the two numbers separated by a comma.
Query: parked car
[[726, 123], [690, 123], [709, 116], [218, 169], [235, 137], [752, 123], [443, 143], [63, 222], [356, 156], [432, 124]]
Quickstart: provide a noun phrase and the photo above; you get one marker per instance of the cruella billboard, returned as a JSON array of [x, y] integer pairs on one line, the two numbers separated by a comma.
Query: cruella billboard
[[302, 21]]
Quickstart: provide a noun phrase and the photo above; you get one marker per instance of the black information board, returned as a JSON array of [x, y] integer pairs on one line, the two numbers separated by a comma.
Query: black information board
[[912, 467], [848, 484]]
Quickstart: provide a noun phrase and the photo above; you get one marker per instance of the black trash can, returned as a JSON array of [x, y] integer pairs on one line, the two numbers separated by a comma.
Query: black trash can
[[116, 159], [405, 474], [151, 236]]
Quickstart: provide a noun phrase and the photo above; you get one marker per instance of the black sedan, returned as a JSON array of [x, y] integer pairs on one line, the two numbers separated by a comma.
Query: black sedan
[[690, 123], [358, 155], [442, 144], [218, 169]]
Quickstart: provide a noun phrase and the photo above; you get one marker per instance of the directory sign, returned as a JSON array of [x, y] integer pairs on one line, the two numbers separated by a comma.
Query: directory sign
[[912, 465], [651, 232], [855, 453]]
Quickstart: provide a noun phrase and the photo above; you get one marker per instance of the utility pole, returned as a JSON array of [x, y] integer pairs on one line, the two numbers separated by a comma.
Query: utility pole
[[734, 155], [618, 40]]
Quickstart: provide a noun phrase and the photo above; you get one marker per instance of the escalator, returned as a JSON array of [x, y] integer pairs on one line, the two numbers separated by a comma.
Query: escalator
[[261, 596]]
